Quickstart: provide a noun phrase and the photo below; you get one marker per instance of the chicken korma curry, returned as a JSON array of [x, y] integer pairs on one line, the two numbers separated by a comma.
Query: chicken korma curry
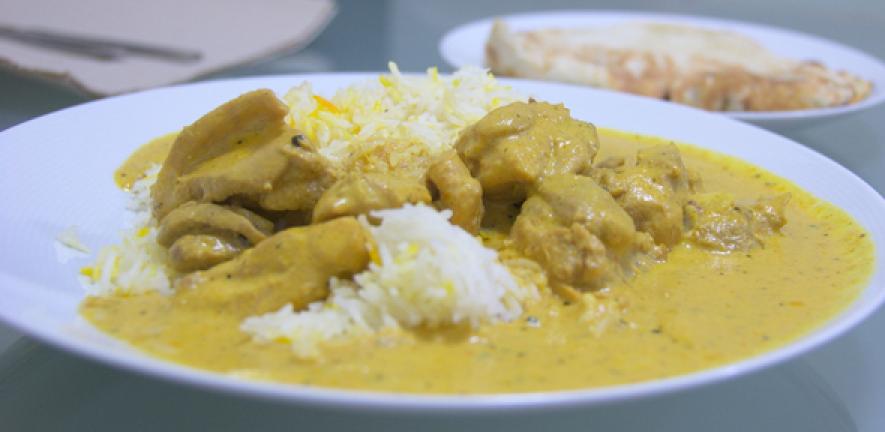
[[445, 235]]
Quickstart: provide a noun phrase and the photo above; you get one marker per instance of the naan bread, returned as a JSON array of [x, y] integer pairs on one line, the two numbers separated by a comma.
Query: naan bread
[[714, 70]]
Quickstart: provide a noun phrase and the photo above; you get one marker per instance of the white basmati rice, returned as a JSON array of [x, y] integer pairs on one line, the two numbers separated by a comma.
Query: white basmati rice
[[69, 238], [137, 264], [425, 271], [68, 245], [414, 115]]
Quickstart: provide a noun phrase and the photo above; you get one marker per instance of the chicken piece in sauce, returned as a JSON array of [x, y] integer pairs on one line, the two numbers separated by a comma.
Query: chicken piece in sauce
[[291, 267], [358, 194], [458, 190], [577, 232], [200, 235], [244, 150], [516, 146], [653, 191], [716, 222]]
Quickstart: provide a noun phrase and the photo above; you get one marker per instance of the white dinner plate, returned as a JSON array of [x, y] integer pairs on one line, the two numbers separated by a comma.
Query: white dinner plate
[[56, 172], [465, 45]]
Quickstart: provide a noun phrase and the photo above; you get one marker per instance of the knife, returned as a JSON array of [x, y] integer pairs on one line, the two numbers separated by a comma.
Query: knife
[[97, 48]]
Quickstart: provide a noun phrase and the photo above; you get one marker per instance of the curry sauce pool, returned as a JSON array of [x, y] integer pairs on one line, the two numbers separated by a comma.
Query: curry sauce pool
[[696, 310]]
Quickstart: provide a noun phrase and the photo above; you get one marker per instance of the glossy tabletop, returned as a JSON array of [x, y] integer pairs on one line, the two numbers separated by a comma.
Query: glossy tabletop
[[839, 387]]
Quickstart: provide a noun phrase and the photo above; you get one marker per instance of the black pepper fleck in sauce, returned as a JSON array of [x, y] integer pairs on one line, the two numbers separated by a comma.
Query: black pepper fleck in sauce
[[297, 140]]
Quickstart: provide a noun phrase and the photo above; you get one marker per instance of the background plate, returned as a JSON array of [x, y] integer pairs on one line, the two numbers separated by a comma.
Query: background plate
[[465, 45]]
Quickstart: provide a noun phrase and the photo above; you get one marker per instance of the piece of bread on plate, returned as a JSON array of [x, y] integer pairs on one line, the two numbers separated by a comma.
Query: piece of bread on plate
[[710, 69]]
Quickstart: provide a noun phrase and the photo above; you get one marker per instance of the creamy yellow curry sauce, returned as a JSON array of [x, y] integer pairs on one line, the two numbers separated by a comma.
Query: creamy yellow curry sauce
[[697, 310], [146, 156]]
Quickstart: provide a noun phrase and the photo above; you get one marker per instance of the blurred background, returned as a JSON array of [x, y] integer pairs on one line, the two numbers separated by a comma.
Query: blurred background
[[840, 387], [365, 35]]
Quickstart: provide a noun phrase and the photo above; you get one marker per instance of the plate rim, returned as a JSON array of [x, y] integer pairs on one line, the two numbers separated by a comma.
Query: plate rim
[[374, 400]]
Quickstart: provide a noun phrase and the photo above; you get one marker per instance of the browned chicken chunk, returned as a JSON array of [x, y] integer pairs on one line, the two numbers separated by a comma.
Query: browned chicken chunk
[[244, 150], [194, 217], [515, 146], [192, 252], [278, 175], [577, 232], [458, 190], [200, 235], [358, 194], [292, 266], [653, 191], [716, 222], [254, 116]]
